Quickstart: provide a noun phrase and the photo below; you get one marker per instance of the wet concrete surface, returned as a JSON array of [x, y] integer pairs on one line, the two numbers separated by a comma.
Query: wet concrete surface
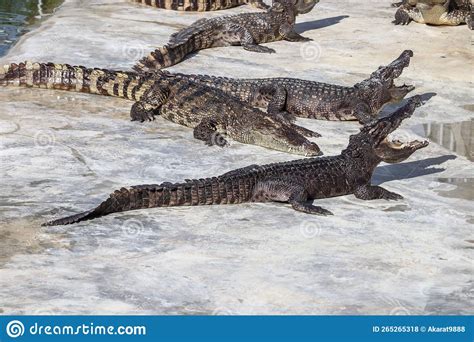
[[62, 153]]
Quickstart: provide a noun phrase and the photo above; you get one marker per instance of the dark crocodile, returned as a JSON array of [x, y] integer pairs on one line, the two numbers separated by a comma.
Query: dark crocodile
[[210, 112], [296, 182], [309, 99], [435, 12], [246, 29], [201, 5]]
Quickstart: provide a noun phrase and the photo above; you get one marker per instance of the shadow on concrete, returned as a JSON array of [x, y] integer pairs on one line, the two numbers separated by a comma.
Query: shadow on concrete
[[408, 170], [317, 24], [427, 96]]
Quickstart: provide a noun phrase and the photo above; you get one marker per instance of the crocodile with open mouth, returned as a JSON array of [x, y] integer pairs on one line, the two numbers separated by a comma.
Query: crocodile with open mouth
[[296, 182], [316, 100]]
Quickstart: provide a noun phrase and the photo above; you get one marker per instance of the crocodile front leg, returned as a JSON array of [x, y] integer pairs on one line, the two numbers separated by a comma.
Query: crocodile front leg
[[246, 39], [288, 33], [284, 191], [206, 131], [308, 208], [362, 113], [370, 192], [406, 13]]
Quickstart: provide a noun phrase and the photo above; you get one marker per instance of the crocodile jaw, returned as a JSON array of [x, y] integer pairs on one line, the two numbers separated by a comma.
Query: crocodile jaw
[[305, 6], [396, 151]]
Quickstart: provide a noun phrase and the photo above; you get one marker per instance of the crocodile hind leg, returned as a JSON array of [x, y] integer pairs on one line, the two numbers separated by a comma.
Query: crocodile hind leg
[[206, 131], [405, 14], [276, 98], [149, 104], [370, 192], [141, 111], [245, 39], [294, 194]]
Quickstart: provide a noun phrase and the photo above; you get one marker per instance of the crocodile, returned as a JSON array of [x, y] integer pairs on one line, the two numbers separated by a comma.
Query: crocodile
[[435, 12], [310, 99], [295, 182], [201, 5], [245, 29], [212, 113]]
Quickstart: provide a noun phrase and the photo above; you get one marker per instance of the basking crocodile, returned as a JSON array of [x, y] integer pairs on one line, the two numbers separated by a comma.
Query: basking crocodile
[[435, 12], [210, 112], [201, 5], [309, 99], [246, 29], [295, 182]]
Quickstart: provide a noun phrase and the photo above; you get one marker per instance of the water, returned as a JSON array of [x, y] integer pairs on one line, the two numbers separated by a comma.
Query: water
[[19, 16], [464, 188], [455, 136]]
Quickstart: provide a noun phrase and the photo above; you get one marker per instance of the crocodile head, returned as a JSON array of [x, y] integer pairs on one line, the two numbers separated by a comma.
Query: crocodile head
[[278, 134], [304, 6], [372, 142], [380, 89]]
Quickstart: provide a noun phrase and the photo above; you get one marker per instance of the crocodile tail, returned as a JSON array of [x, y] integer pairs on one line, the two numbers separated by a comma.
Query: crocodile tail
[[197, 36], [195, 192], [71, 78], [192, 5], [165, 56]]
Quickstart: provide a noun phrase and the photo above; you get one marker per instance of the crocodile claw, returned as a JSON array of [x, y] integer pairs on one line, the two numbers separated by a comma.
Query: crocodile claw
[[391, 196]]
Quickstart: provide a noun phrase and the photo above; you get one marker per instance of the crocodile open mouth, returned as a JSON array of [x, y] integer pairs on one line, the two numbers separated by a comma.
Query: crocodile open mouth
[[394, 70], [398, 93], [395, 151], [397, 144]]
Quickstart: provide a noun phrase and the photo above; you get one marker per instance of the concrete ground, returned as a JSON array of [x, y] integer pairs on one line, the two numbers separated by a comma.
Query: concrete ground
[[64, 152]]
